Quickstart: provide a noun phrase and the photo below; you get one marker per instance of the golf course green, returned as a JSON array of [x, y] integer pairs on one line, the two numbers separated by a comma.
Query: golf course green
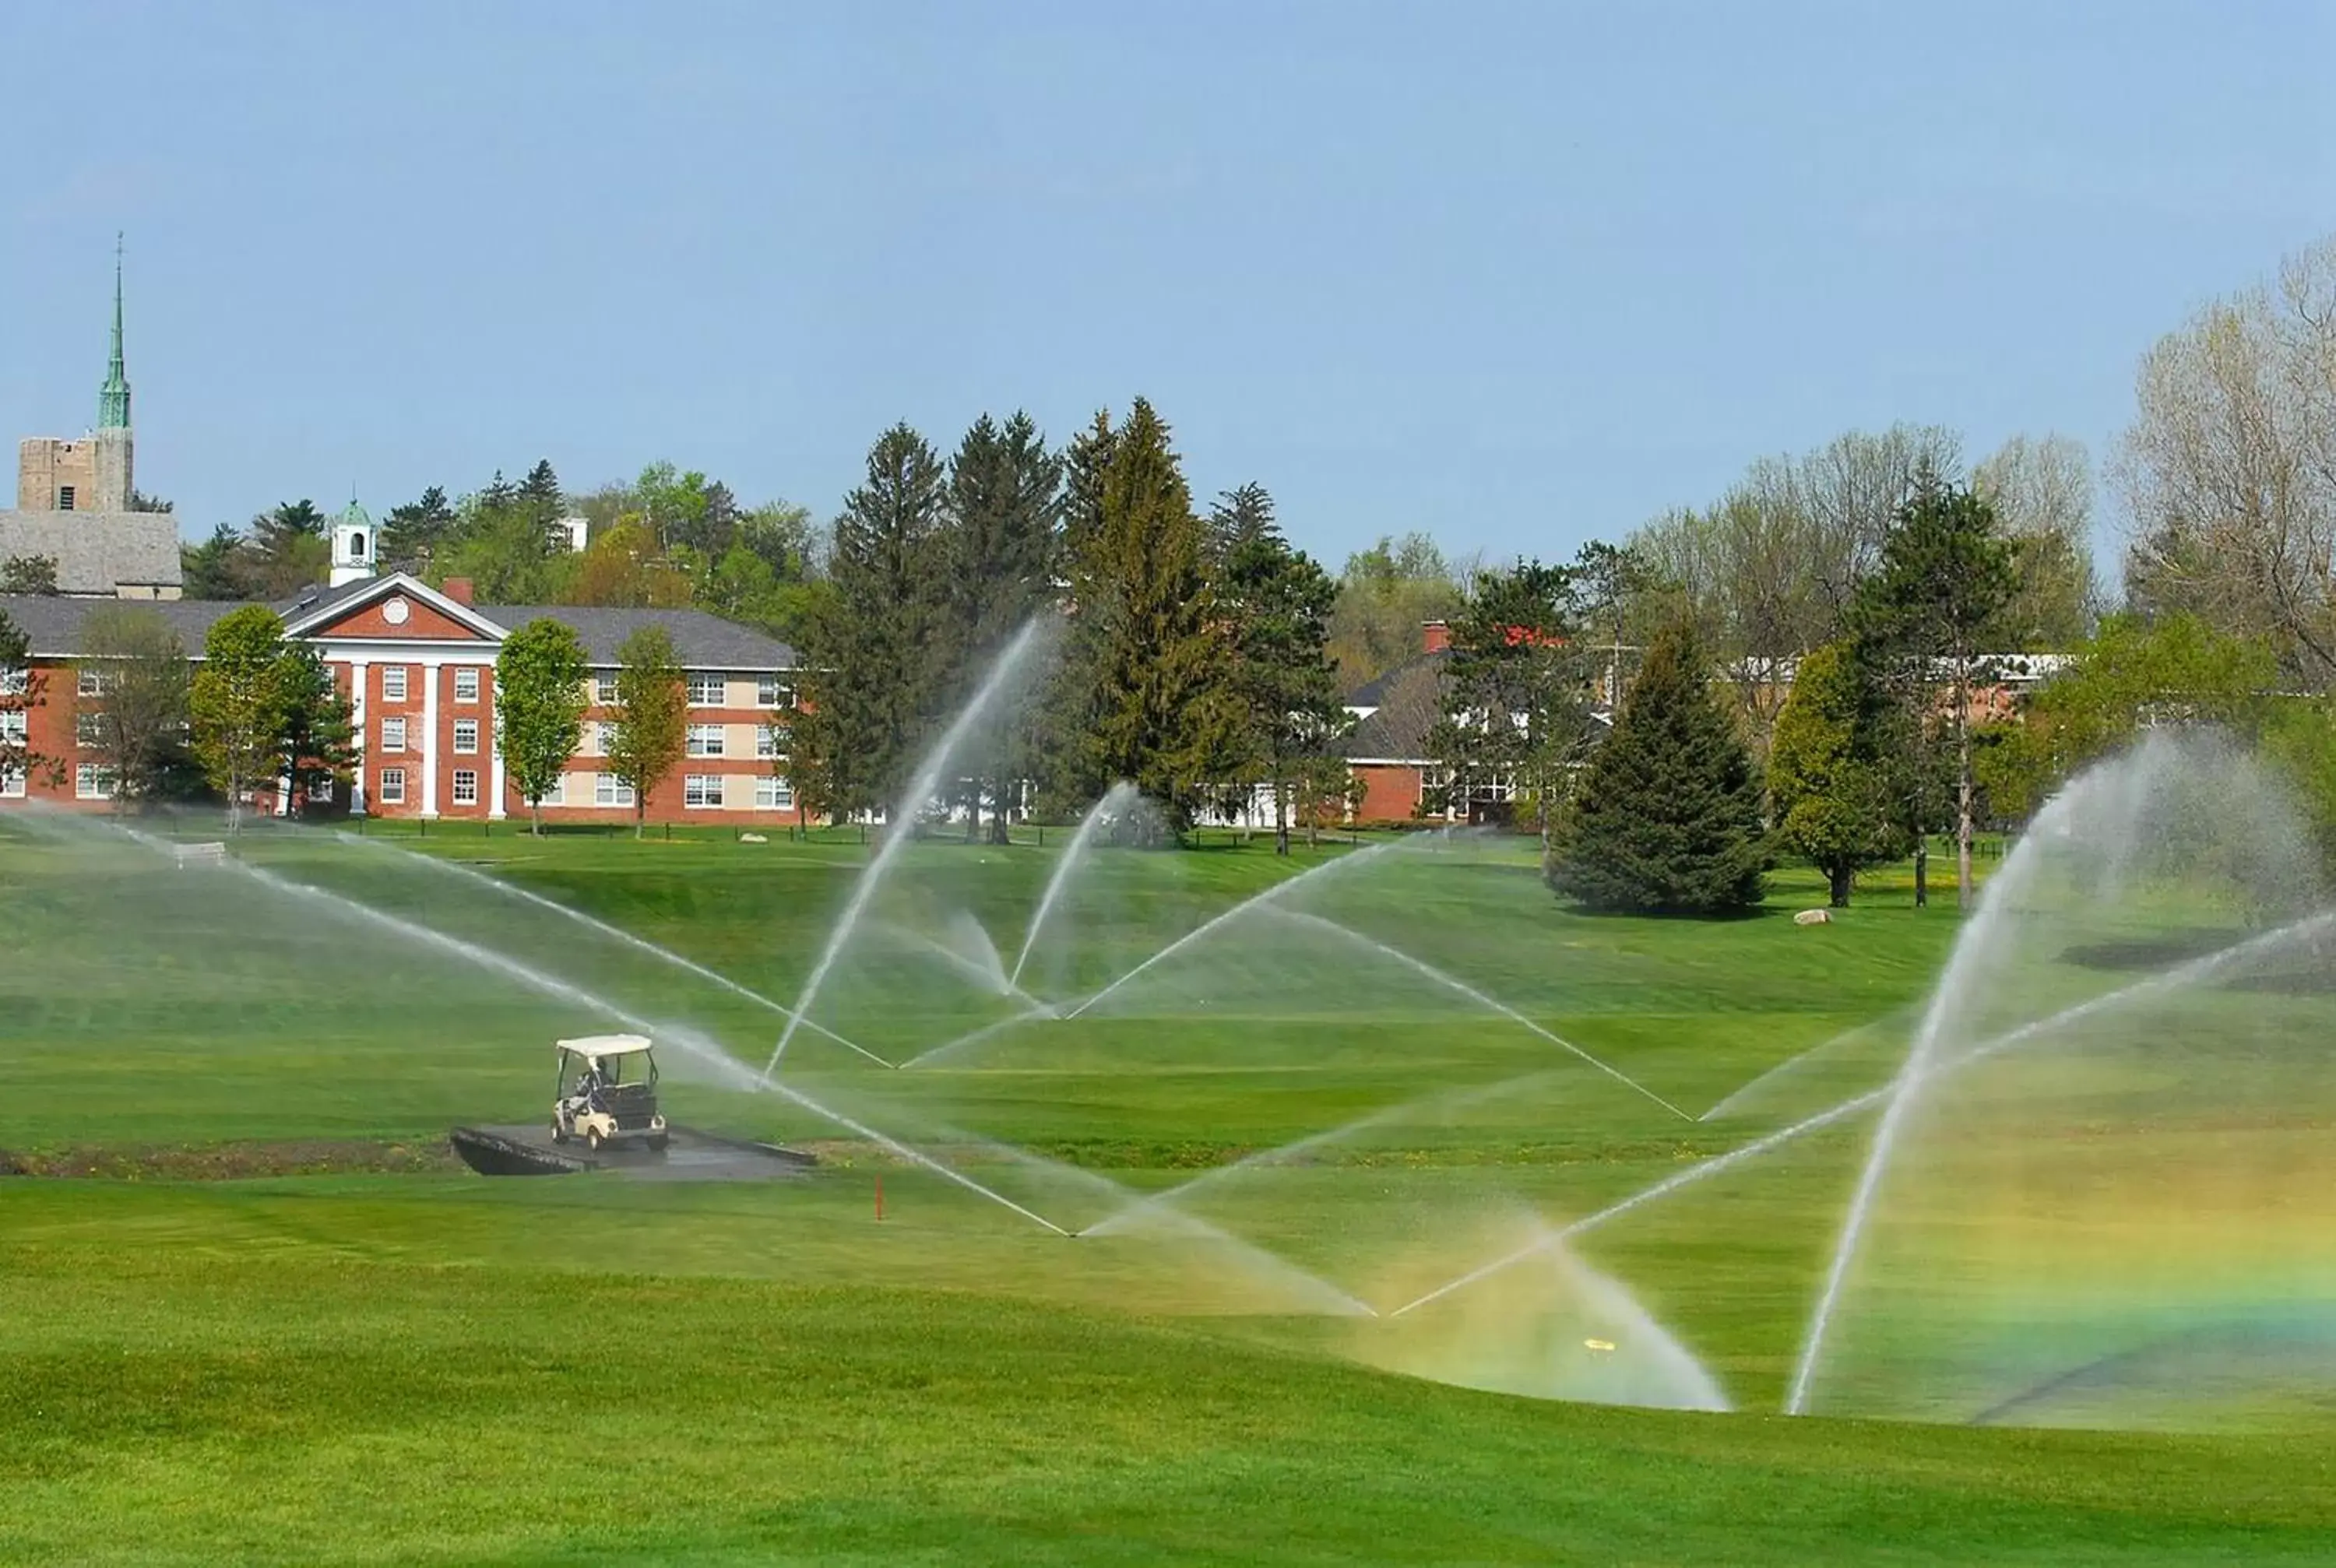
[[252, 1312]]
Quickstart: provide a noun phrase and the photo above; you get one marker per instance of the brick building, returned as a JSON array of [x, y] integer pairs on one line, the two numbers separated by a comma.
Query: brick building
[[417, 665]]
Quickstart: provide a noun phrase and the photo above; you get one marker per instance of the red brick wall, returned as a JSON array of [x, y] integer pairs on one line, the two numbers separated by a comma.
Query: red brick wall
[[421, 621], [1391, 792]]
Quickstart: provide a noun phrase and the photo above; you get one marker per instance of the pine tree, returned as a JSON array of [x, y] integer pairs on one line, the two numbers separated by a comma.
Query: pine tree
[[1923, 620], [872, 638], [1005, 507], [1241, 516], [411, 533], [318, 741], [1832, 788], [1164, 709], [1667, 817], [1278, 601], [1517, 690], [539, 494]]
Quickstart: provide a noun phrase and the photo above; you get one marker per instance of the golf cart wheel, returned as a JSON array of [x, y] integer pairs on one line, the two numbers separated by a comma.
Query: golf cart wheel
[[559, 1133], [592, 1139]]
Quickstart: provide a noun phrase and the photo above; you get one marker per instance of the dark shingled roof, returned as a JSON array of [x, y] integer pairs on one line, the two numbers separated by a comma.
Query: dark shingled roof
[[97, 551], [701, 641], [1407, 702]]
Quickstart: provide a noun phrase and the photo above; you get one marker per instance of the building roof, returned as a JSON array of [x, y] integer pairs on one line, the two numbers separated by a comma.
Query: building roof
[[1398, 709], [97, 551], [700, 640]]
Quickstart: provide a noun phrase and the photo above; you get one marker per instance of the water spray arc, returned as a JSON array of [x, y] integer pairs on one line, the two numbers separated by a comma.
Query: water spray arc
[[1116, 800], [1247, 906], [2194, 973], [897, 835], [1442, 978], [975, 1037], [618, 933]]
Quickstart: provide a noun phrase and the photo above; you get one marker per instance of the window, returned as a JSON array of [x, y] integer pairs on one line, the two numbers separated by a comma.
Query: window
[[91, 682], [12, 783], [706, 740], [393, 734], [466, 737], [466, 787], [320, 788], [771, 740], [604, 689], [89, 729], [609, 789], [772, 692], [466, 684], [393, 682], [13, 726], [64, 498], [356, 547], [702, 789], [92, 783], [594, 739], [706, 689], [392, 786], [17, 682], [775, 794], [556, 795]]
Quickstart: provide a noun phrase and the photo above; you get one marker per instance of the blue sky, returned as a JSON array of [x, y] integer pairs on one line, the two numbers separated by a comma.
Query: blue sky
[[1517, 275]]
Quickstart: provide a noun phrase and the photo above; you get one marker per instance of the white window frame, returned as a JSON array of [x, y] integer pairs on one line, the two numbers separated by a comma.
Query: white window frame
[[16, 680], [708, 740], [93, 782], [16, 724], [392, 792], [320, 788], [766, 741], [772, 794], [702, 791], [702, 681], [393, 734], [13, 784], [772, 691], [609, 789], [463, 789], [604, 690], [393, 682], [557, 796], [89, 729], [466, 683], [91, 682], [470, 726]]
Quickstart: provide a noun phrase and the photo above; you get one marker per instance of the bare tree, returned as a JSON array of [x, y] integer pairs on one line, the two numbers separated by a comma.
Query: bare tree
[[2228, 472], [2041, 489]]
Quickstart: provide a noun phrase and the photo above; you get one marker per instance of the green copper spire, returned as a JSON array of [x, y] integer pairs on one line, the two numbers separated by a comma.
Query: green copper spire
[[114, 397]]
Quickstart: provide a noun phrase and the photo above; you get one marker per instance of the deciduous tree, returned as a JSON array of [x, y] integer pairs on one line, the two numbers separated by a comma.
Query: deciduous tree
[[136, 721], [238, 704], [1833, 796], [540, 703], [650, 723], [29, 574]]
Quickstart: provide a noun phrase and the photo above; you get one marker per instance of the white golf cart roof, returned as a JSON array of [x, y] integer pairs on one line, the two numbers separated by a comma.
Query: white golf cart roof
[[604, 1044]]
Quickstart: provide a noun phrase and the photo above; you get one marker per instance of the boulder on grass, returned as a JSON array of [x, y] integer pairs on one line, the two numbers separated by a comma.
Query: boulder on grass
[[1814, 918]]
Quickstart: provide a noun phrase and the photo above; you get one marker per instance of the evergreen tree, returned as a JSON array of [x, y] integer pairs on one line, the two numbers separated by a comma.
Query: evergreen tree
[[1833, 796], [538, 494], [223, 567], [1164, 706], [1240, 517], [540, 703], [649, 726], [500, 495], [1001, 543], [412, 534], [1667, 819], [1923, 621], [289, 548], [35, 575], [237, 703], [1279, 602], [872, 640]]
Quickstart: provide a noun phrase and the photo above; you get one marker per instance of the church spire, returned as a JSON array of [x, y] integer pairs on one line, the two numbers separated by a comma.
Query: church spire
[[114, 397]]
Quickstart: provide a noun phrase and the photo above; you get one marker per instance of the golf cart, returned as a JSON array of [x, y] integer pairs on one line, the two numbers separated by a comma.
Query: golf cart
[[607, 1093]]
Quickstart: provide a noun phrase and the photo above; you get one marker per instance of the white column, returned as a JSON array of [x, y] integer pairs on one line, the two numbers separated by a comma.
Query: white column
[[430, 739], [494, 746], [357, 677]]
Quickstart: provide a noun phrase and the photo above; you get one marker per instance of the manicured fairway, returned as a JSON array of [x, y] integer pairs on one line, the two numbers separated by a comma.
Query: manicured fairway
[[424, 1366]]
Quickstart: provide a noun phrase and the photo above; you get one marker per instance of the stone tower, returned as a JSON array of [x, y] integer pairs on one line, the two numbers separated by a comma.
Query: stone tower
[[113, 454]]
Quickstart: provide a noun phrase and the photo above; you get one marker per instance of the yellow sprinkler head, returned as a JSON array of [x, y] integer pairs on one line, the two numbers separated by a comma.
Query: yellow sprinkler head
[[1598, 1345]]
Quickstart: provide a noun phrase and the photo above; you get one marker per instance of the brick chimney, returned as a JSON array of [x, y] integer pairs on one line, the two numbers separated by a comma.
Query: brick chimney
[[1434, 636], [457, 589]]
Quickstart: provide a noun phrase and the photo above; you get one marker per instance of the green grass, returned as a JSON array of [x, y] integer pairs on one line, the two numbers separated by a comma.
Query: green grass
[[428, 1366]]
